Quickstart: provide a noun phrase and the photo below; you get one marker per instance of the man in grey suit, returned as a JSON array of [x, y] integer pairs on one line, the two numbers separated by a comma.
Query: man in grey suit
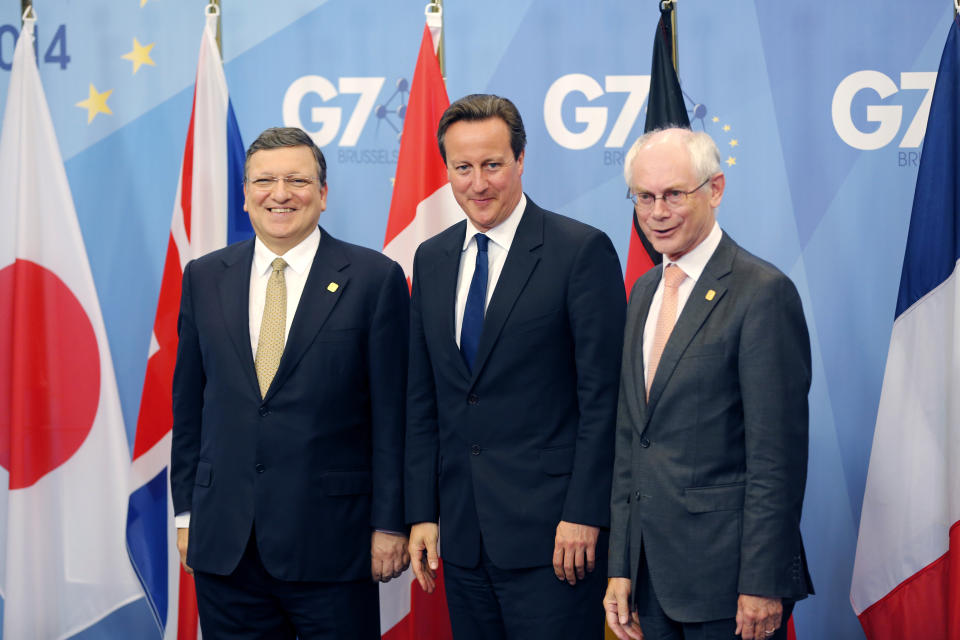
[[711, 445]]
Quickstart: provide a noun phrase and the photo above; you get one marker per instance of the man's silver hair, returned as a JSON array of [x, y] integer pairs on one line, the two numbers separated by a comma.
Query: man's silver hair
[[704, 155]]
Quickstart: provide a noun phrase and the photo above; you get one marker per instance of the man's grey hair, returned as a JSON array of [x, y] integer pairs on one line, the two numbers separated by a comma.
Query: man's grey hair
[[281, 137], [704, 155]]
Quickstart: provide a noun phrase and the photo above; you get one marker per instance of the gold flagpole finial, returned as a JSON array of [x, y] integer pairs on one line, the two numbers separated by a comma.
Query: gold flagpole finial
[[214, 9], [434, 9]]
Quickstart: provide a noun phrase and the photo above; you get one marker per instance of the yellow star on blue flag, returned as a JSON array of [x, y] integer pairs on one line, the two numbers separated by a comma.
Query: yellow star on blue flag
[[96, 103], [140, 55]]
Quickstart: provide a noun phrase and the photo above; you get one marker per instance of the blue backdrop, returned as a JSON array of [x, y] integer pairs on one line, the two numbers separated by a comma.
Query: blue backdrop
[[819, 112]]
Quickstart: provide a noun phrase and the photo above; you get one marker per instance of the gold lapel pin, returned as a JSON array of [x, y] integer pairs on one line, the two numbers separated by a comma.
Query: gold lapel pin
[[332, 287], [710, 294]]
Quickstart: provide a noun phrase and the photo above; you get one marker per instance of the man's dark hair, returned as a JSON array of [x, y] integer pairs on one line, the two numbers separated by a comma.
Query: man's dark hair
[[482, 106], [280, 137]]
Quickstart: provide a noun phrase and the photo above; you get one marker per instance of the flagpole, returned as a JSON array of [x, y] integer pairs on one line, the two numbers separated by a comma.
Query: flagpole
[[216, 3], [671, 5], [436, 6]]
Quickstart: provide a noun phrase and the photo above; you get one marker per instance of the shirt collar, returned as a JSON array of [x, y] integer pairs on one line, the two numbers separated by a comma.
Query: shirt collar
[[695, 261], [503, 233], [299, 258]]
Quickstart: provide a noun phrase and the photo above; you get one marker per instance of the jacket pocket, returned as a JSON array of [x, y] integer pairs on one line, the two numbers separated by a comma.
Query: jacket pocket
[[534, 323], [723, 497], [346, 483], [204, 474], [705, 350], [338, 335], [557, 461]]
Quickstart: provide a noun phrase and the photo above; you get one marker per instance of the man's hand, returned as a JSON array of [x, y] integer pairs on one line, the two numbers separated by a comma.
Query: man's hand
[[423, 554], [574, 551], [388, 555], [758, 617], [183, 538], [624, 624]]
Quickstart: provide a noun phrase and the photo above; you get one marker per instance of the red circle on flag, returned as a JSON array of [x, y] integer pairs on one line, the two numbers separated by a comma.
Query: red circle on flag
[[49, 373]]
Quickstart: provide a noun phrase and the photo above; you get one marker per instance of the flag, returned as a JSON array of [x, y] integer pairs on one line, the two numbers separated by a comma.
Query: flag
[[906, 577], [63, 450], [665, 107], [422, 205], [207, 213], [423, 202]]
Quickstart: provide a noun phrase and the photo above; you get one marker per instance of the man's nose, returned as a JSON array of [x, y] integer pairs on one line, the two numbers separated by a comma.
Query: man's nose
[[280, 190], [660, 209], [479, 181]]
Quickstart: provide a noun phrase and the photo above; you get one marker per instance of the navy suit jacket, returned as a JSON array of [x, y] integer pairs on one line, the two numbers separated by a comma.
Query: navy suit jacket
[[526, 440], [317, 463], [710, 472]]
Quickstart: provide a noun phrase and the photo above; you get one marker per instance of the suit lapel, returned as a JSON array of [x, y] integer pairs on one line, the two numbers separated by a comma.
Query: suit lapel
[[234, 290], [644, 298], [324, 287], [695, 312], [522, 258], [447, 272]]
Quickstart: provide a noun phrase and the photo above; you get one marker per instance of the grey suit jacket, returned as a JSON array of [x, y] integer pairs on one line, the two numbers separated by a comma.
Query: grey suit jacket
[[709, 474]]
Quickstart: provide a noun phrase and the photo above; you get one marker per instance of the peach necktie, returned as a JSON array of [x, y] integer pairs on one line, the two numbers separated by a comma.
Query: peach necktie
[[672, 277]]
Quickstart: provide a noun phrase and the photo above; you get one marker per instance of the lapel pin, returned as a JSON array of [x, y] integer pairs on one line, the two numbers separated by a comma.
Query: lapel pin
[[710, 294], [332, 287]]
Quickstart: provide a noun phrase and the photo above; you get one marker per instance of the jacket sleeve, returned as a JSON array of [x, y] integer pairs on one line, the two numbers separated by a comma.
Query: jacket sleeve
[[596, 307], [188, 384], [774, 372], [422, 439], [387, 367]]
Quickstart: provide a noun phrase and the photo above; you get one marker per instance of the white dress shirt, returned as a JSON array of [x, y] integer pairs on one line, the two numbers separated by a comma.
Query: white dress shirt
[[501, 237], [299, 260], [692, 264]]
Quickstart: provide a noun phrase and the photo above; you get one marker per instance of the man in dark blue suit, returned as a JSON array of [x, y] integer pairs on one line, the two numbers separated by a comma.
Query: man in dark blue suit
[[517, 320], [288, 402]]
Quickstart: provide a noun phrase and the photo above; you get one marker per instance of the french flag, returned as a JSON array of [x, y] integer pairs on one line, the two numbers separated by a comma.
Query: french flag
[[906, 577], [207, 214]]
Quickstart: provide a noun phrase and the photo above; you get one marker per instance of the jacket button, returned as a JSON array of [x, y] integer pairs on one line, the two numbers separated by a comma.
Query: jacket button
[[644, 442], [473, 399], [264, 411], [475, 449], [260, 468]]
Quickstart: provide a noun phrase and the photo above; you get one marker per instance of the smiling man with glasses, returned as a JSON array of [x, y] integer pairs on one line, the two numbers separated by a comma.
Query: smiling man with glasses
[[288, 409], [711, 446]]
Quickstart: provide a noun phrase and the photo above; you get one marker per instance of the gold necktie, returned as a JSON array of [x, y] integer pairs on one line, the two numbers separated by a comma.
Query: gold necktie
[[272, 327], [672, 277]]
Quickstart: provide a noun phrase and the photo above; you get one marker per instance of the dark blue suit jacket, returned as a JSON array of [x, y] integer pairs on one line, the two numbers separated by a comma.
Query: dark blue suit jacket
[[526, 439], [317, 463]]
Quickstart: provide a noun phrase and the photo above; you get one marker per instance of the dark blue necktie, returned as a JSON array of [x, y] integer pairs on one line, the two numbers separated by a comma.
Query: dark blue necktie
[[476, 300]]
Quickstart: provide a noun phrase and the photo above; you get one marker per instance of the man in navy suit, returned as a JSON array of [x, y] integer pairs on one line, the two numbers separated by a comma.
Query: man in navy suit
[[711, 454], [288, 403], [516, 327]]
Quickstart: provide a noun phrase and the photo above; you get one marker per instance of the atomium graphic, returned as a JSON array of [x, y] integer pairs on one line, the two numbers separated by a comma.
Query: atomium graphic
[[384, 111], [699, 114]]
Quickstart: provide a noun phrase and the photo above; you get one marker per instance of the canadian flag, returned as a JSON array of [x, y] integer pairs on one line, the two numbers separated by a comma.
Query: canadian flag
[[422, 205], [63, 450], [207, 212]]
